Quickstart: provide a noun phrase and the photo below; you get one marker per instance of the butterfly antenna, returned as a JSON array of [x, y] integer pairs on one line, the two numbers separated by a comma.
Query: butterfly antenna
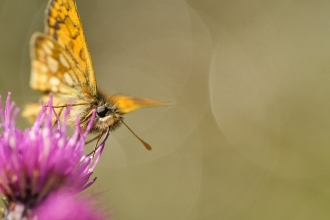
[[142, 141], [66, 105]]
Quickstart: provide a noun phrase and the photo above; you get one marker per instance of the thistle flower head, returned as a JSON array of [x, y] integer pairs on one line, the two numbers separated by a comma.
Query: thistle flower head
[[42, 159]]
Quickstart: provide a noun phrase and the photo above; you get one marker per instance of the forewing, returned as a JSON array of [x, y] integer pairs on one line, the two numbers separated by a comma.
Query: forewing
[[64, 26], [53, 69]]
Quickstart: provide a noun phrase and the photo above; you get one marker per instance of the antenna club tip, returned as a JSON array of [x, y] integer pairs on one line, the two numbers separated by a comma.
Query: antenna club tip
[[146, 145], [142, 141]]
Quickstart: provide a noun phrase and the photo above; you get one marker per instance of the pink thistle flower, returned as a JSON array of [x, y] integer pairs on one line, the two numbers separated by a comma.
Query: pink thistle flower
[[41, 160], [62, 205]]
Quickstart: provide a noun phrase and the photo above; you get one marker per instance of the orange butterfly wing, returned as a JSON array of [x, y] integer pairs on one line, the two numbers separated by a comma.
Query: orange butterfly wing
[[61, 62], [128, 104], [64, 26], [52, 69]]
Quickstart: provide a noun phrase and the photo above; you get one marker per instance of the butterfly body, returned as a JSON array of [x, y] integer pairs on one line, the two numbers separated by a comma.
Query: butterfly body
[[61, 65], [108, 115]]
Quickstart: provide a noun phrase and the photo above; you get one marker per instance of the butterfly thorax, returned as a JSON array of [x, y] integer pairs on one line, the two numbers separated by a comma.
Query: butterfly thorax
[[108, 115]]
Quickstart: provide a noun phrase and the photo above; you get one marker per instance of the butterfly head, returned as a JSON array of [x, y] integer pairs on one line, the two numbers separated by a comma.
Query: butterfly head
[[108, 115]]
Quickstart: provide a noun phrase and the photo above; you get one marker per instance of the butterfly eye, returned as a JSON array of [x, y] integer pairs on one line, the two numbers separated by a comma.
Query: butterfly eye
[[101, 111]]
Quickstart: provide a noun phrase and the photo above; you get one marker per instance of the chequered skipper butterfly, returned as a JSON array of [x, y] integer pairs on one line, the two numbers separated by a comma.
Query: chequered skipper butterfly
[[61, 64]]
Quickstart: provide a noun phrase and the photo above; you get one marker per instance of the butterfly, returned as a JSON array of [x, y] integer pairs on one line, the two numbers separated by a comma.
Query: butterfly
[[62, 65]]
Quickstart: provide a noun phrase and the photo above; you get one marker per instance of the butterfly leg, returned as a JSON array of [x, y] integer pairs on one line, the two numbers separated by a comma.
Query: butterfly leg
[[97, 143], [85, 119], [59, 115], [65, 106], [98, 138], [95, 138]]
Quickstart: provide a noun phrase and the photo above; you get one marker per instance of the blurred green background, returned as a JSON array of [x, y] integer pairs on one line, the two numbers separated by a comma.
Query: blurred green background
[[249, 134]]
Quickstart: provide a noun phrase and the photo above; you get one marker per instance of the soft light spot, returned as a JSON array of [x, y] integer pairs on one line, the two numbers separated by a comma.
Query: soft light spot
[[105, 118], [41, 54], [61, 143], [50, 44], [42, 78], [63, 61], [14, 178], [12, 142], [43, 68], [71, 142], [45, 132], [32, 136], [68, 79], [54, 81], [52, 64], [47, 49]]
